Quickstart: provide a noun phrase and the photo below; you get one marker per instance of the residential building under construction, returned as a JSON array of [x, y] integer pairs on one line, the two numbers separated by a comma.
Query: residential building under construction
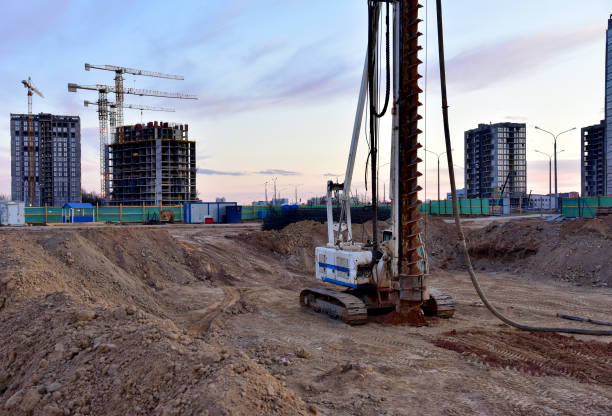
[[593, 163], [57, 159], [152, 164], [495, 163]]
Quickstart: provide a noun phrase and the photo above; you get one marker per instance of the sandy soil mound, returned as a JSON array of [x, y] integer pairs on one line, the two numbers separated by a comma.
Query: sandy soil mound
[[440, 239], [88, 316], [295, 243], [576, 251]]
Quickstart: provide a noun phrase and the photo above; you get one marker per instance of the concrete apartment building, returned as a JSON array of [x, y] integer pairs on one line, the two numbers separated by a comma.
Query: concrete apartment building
[[154, 164], [593, 160], [494, 154], [608, 110], [57, 159]]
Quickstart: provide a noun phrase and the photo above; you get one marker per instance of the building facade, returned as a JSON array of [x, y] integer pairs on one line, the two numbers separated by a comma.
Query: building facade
[[152, 164], [460, 194], [593, 160], [495, 160], [608, 110], [57, 159]]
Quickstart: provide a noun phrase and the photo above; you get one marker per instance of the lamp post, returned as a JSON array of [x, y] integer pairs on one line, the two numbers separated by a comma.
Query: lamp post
[[266, 189], [274, 200], [549, 176], [378, 178], [438, 156], [555, 154]]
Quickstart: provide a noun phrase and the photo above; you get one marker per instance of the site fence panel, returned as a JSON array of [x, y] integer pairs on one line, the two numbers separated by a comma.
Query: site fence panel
[[587, 207], [119, 213], [43, 215], [466, 207], [260, 212]]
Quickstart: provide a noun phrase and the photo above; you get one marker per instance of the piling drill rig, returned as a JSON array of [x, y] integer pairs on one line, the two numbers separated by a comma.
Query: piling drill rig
[[391, 274]]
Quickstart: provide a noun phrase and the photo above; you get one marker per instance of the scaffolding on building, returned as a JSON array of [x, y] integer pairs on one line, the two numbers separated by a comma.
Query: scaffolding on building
[[152, 164]]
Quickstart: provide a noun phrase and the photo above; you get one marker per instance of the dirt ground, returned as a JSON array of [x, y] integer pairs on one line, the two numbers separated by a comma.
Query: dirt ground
[[195, 320]]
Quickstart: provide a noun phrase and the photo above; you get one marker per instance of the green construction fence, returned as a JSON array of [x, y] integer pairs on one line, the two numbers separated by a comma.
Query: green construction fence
[[466, 207], [588, 207], [120, 213]]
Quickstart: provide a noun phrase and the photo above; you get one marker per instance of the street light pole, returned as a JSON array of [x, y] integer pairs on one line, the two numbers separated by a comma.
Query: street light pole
[[549, 179], [378, 177], [266, 188], [438, 155], [555, 153]]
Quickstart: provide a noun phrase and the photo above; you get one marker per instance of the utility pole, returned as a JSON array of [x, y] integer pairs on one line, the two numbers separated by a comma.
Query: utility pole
[[266, 191], [378, 178], [274, 200], [438, 155], [555, 153], [549, 177]]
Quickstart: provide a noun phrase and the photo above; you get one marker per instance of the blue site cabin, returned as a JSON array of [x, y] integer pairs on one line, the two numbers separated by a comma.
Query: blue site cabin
[[78, 212]]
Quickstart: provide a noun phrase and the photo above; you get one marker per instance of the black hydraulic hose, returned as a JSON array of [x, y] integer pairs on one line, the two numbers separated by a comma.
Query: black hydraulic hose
[[461, 236], [388, 63]]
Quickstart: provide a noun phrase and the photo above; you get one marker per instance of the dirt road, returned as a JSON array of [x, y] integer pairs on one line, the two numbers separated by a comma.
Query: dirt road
[[187, 319]]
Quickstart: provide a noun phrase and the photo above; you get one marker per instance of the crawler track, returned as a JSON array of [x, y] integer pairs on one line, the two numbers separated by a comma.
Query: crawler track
[[339, 305]]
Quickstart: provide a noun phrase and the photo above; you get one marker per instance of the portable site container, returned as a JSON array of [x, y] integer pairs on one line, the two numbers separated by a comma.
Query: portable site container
[[12, 213], [196, 212], [78, 212], [233, 214]]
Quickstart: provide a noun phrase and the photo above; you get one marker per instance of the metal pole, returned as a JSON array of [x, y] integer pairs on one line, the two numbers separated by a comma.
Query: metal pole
[[266, 188], [555, 151], [549, 183], [556, 192], [439, 180]]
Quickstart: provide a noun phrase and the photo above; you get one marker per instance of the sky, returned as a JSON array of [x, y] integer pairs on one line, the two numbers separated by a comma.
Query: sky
[[278, 81]]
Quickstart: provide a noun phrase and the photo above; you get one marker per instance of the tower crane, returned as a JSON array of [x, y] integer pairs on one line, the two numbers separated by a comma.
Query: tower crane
[[105, 111], [31, 88], [119, 91], [108, 109]]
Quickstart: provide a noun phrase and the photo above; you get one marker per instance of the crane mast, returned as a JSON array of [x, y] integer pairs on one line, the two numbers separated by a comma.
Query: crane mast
[[31, 171], [114, 113]]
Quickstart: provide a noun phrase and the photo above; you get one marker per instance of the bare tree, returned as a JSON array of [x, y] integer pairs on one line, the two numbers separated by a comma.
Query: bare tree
[[91, 197]]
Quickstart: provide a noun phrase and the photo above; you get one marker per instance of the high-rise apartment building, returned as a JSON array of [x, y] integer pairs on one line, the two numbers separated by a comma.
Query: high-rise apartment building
[[494, 157], [57, 159], [154, 164], [608, 109], [593, 160]]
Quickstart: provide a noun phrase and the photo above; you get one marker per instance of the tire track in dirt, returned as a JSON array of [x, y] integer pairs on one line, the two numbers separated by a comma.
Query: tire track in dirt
[[535, 353], [203, 319]]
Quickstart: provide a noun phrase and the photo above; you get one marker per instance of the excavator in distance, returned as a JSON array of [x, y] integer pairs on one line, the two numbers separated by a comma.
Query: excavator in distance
[[392, 274]]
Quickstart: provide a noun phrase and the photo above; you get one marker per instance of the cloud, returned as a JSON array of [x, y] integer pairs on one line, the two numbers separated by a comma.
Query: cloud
[[219, 172], [516, 118], [278, 172], [297, 79], [479, 67], [331, 175], [201, 158], [269, 48]]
